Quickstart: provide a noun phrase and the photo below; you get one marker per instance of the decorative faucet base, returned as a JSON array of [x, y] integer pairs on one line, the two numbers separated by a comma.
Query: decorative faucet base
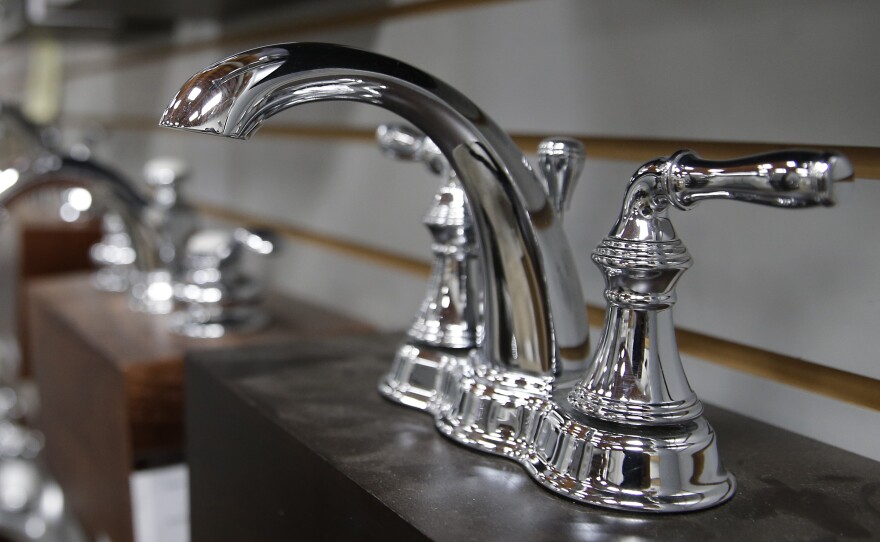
[[670, 469], [411, 380]]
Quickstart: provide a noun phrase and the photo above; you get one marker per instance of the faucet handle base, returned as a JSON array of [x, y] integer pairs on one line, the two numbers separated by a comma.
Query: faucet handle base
[[151, 292], [667, 469], [412, 379], [660, 470]]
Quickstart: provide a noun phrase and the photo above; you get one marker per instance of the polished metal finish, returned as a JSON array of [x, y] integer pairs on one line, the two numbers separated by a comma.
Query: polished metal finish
[[532, 308], [446, 324], [143, 233], [172, 221], [636, 388], [113, 255], [28, 164], [167, 214], [627, 436], [217, 294], [636, 375], [561, 160], [532, 325], [673, 468]]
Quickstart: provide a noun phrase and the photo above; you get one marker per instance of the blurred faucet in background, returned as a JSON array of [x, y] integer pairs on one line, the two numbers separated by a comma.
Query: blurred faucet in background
[[29, 163]]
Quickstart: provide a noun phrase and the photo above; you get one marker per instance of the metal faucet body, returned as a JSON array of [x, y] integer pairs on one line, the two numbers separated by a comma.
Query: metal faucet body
[[216, 294], [447, 322], [32, 165], [514, 394], [534, 316], [109, 188]]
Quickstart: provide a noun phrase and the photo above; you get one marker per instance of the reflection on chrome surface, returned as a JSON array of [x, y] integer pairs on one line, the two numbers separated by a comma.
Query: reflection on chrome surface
[[506, 375], [28, 163], [446, 323], [216, 292], [532, 308]]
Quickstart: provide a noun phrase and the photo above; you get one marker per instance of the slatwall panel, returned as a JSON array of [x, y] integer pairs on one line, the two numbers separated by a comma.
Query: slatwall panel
[[800, 285]]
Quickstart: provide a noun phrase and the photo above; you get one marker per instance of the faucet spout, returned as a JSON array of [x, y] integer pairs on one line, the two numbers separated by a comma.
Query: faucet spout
[[109, 188], [534, 314], [28, 164]]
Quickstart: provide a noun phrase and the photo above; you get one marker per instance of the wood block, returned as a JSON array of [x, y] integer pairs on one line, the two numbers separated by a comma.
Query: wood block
[[111, 384], [49, 248]]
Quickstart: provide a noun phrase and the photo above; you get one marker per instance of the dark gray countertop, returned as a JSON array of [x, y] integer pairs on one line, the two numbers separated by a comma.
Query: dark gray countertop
[[319, 399]]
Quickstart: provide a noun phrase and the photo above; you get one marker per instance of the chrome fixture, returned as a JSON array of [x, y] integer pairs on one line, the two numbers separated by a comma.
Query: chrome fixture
[[113, 255], [630, 434], [29, 163], [217, 294], [172, 222], [172, 218], [446, 322], [521, 392], [533, 311], [636, 376]]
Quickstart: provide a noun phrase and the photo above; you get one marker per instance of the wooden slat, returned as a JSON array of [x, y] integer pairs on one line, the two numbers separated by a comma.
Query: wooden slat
[[852, 388], [349, 248], [841, 385], [866, 160]]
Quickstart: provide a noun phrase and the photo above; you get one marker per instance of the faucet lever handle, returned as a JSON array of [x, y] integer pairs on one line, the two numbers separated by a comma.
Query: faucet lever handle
[[561, 160], [792, 178], [404, 142]]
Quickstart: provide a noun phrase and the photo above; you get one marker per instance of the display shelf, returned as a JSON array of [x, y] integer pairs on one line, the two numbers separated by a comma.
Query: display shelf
[[293, 442]]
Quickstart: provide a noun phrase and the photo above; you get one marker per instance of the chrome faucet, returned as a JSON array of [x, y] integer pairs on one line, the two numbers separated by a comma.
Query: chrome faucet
[[113, 255], [520, 390], [172, 222], [169, 215], [29, 164], [630, 434], [448, 321], [534, 316], [636, 376], [446, 324], [216, 293]]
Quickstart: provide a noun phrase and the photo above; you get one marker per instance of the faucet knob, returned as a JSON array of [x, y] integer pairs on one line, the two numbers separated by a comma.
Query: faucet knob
[[173, 220], [447, 316], [163, 177], [561, 160], [218, 295], [404, 142]]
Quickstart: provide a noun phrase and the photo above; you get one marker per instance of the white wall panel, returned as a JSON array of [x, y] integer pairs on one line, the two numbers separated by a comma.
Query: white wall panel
[[840, 424], [374, 293]]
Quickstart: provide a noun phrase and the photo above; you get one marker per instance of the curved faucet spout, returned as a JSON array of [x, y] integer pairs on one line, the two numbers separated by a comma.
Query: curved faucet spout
[[534, 311], [109, 188]]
